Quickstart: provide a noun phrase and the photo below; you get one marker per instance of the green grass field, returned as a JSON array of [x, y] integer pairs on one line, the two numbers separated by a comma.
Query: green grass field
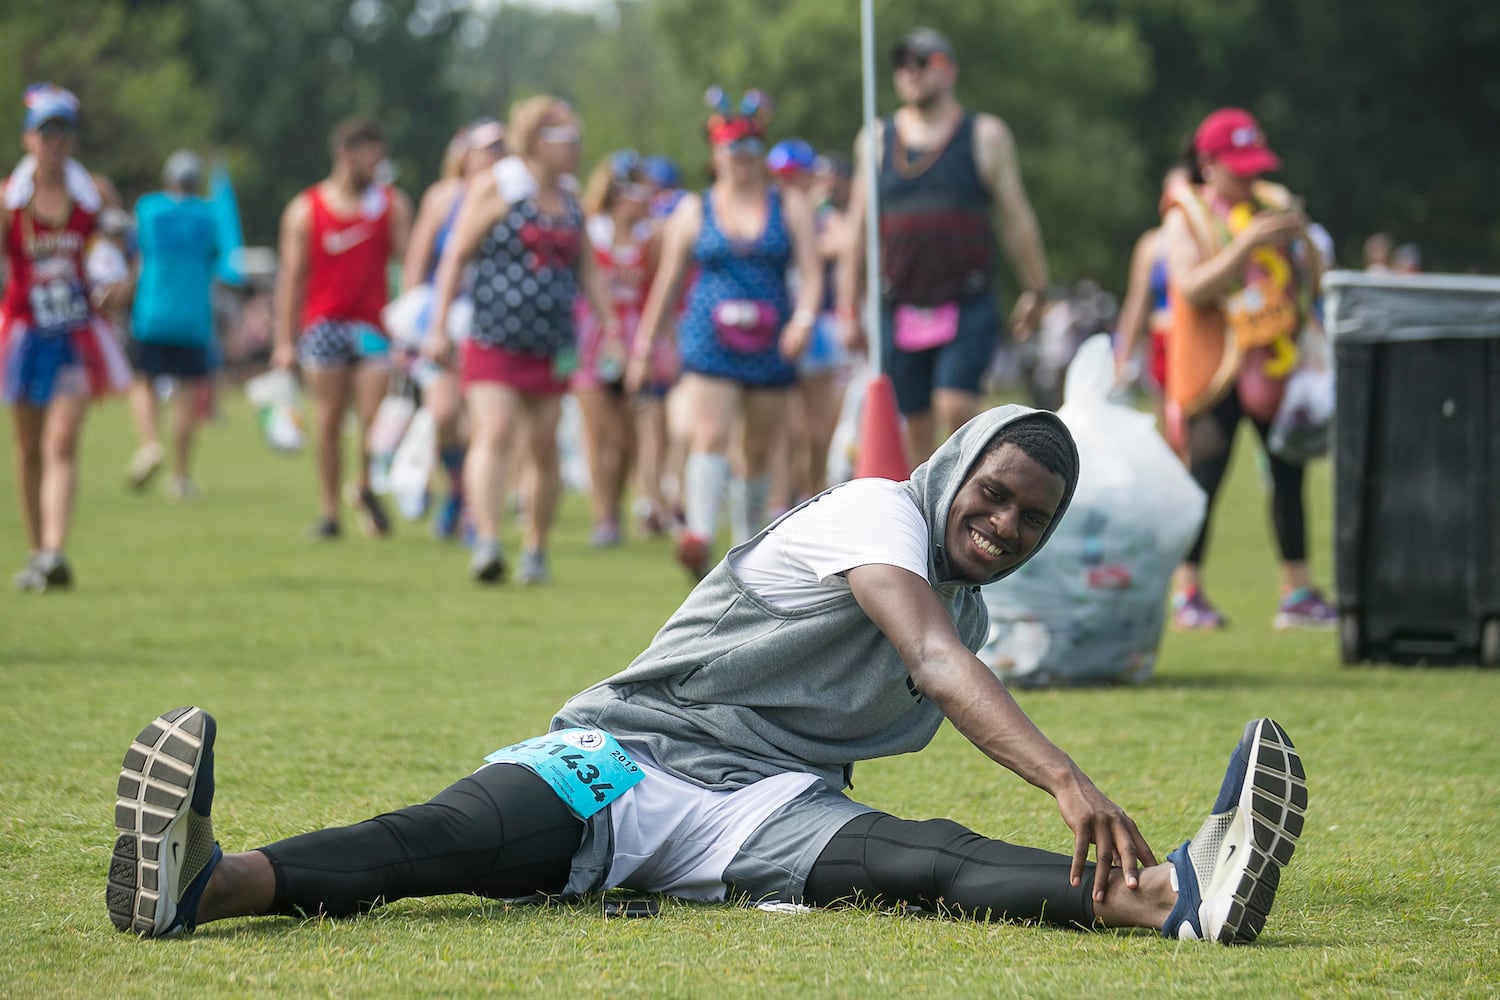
[[353, 678]]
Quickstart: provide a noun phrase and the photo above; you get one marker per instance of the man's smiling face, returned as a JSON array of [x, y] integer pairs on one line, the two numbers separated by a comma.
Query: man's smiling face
[[1001, 513]]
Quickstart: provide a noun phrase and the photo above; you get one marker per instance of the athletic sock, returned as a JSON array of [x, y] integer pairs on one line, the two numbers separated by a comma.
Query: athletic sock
[[707, 479], [747, 506], [452, 459]]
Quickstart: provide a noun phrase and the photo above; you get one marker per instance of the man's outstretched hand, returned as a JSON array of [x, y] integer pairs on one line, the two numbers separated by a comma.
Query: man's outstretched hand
[[1094, 819]]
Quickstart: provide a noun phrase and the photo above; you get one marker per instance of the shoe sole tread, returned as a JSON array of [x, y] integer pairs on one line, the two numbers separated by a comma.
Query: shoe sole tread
[[1275, 798], [154, 790]]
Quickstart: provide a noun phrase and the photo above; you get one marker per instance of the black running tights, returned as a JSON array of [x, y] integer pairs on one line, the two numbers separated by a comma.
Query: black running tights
[[1212, 442], [942, 866], [501, 832]]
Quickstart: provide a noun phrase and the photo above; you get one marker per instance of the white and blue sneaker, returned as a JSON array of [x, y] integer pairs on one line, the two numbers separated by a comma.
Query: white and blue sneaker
[[1226, 876], [165, 851]]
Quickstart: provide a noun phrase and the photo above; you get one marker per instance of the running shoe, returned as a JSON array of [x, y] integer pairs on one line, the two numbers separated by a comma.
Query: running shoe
[[692, 554], [1191, 612], [373, 521], [143, 465], [605, 536], [55, 570], [1226, 876], [165, 852], [326, 529], [650, 519], [182, 489], [1305, 608], [31, 579], [449, 516], [533, 568], [487, 562]]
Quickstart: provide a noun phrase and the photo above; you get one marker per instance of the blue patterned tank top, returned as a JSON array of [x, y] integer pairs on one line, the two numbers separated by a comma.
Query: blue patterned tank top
[[738, 280]]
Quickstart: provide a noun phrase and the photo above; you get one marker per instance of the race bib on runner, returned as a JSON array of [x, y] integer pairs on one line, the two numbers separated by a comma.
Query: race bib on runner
[[59, 305], [586, 767]]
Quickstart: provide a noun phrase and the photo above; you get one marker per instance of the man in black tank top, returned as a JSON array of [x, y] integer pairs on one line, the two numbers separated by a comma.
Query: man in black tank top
[[950, 191]]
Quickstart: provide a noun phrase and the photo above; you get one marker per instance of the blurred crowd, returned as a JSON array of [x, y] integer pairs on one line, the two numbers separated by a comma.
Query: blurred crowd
[[681, 352]]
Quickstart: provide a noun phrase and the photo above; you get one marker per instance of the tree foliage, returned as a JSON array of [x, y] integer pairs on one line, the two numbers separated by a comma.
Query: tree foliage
[[282, 73], [1383, 112], [1064, 83], [613, 66], [123, 60]]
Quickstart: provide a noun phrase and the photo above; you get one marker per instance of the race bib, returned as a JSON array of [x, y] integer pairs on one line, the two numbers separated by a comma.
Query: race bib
[[58, 306], [586, 767], [919, 329]]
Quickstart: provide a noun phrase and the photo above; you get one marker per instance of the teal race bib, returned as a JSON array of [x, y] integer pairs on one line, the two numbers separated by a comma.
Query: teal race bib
[[586, 767]]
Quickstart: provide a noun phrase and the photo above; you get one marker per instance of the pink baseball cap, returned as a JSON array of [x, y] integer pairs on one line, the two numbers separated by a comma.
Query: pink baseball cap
[[1232, 136]]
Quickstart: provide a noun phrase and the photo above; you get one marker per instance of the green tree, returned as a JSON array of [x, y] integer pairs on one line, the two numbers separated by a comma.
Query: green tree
[[123, 60], [1065, 83], [612, 65], [294, 68], [1383, 112]]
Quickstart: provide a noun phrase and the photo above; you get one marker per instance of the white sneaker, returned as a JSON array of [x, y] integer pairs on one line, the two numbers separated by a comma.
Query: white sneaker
[[1226, 876], [143, 465], [487, 563], [165, 852], [182, 489]]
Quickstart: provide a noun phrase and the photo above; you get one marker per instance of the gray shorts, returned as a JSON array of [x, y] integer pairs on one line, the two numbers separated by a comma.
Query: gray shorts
[[751, 845]]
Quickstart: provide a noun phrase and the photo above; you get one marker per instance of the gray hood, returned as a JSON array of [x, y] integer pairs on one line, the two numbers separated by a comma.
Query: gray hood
[[936, 482]]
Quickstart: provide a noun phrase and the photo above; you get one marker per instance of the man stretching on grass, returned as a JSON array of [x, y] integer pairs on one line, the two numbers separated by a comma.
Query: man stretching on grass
[[713, 767]]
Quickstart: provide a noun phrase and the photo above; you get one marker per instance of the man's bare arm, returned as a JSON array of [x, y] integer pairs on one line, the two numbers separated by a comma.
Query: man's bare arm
[[291, 278], [1015, 222], [905, 608]]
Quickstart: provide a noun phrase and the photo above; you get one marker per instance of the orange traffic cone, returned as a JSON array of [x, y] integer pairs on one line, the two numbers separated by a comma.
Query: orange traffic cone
[[882, 446]]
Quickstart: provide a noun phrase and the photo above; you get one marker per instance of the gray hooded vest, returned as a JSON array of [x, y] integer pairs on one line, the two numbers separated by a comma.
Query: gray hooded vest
[[733, 690]]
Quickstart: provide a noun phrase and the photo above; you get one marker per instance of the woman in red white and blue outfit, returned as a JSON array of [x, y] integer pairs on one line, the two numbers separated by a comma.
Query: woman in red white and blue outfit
[[56, 352]]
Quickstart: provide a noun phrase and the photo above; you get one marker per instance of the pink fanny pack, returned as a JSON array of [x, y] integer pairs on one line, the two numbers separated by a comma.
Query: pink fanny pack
[[921, 329], [746, 326]]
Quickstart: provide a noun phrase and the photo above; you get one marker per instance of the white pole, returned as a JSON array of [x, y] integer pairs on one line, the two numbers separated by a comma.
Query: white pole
[[872, 189]]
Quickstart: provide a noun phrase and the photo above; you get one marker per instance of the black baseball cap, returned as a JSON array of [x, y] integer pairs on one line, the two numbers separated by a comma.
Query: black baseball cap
[[923, 42]]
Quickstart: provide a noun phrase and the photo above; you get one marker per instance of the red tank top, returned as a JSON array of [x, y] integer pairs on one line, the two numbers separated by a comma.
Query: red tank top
[[48, 286], [346, 260]]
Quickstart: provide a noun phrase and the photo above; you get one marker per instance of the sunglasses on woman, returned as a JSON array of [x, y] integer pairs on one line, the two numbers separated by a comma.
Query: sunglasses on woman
[[563, 134]]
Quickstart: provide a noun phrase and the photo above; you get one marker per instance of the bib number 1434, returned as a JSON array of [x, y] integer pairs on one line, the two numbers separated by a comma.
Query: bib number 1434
[[586, 767]]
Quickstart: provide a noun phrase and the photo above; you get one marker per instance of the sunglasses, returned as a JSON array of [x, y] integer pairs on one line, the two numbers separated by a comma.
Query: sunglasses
[[911, 60], [55, 127], [746, 147], [562, 134]]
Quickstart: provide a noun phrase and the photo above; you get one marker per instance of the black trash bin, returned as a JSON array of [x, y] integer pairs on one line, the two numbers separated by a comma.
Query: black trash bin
[[1417, 466]]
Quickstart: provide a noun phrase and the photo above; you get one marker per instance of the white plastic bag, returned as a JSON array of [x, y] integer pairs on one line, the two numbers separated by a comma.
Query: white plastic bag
[[411, 465], [1089, 608], [277, 399], [387, 431], [408, 316], [843, 447], [1301, 428], [572, 456]]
